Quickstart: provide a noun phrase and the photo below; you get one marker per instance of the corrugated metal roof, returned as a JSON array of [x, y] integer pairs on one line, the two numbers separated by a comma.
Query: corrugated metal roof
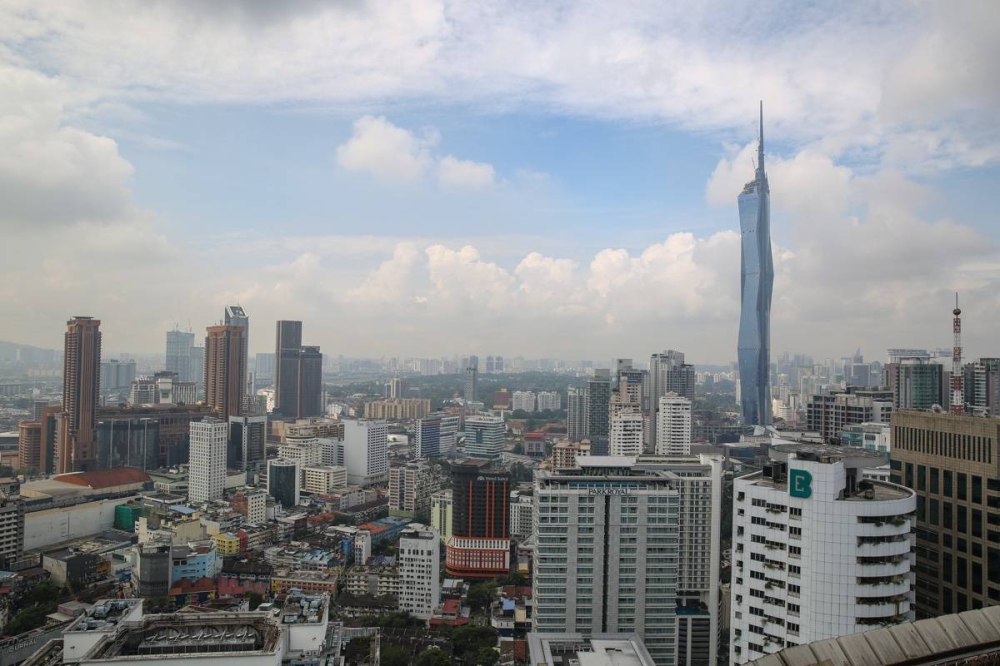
[[924, 642]]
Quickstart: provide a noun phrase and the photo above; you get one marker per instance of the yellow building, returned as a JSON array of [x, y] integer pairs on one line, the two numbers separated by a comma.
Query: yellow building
[[226, 543]]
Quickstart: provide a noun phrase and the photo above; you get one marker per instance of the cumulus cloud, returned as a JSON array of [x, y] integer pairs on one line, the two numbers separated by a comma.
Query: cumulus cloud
[[453, 172], [386, 151], [51, 173]]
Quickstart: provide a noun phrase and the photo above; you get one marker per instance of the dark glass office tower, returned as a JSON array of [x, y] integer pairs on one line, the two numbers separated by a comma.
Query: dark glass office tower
[[757, 280]]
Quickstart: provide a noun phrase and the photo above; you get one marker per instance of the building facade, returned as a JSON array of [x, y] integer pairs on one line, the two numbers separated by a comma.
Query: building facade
[[323, 479], [756, 282], [442, 513], [179, 355], [247, 441], [298, 379], [479, 546], [626, 434], [436, 434], [225, 370], [419, 558], [668, 373], [284, 481], [207, 473], [599, 411], [410, 488], [829, 414], [673, 428], [366, 452], [820, 550], [950, 461], [81, 394], [576, 414], [484, 436]]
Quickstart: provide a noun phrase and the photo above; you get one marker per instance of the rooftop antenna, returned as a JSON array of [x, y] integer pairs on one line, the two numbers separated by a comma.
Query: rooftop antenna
[[760, 140]]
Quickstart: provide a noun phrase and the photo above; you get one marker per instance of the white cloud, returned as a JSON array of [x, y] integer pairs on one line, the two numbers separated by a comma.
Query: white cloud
[[856, 76], [386, 151], [52, 174], [393, 153], [453, 172]]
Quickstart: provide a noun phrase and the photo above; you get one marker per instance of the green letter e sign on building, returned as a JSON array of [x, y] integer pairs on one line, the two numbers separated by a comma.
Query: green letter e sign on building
[[799, 483]]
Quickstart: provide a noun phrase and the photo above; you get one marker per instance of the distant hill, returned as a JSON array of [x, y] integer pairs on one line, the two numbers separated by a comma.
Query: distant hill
[[12, 351]]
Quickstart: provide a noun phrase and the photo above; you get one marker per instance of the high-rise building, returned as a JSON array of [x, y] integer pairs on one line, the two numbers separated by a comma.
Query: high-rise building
[[81, 393], [284, 481], [627, 545], [479, 546], [436, 435], [524, 401], [820, 549], [116, 375], [828, 414], [323, 479], [197, 372], [757, 280], [951, 462], [471, 374], [11, 522], [916, 383], [410, 488], [442, 513], [626, 434], [419, 560], [522, 514], [395, 389], [235, 315], [207, 471], [37, 440], [484, 436], [264, 365], [565, 454], [549, 401], [673, 431], [225, 370], [298, 383], [576, 414], [668, 373], [179, 355], [981, 380], [287, 338], [247, 441], [366, 452], [599, 411]]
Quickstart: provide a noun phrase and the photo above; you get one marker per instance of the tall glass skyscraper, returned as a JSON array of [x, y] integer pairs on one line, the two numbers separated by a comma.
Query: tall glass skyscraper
[[756, 280]]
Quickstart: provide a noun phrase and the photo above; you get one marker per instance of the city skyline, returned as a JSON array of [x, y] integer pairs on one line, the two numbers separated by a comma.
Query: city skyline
[[540, 195]]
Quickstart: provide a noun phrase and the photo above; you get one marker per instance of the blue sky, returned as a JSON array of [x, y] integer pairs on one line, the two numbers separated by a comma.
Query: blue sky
[[434, 178]]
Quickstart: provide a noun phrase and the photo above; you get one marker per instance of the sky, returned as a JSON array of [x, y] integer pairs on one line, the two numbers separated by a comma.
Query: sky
[[434, 178]]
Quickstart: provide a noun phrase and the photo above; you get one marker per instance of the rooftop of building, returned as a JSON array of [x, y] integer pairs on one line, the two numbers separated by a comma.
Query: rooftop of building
[[575, 650], [105, 613], [107, 478], [958, 638], [300, 608]]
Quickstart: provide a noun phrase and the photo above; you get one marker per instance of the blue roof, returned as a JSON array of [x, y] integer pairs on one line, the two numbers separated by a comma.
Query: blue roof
[[180, 508], [509, 604]]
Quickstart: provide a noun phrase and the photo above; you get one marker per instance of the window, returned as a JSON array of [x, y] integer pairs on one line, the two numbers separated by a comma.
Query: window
[[977, 489], [962, 490], [935, 489], [947, 483], [933, 518], [963, 519], [947, 523], [977, 523], [921, 478], [909, 475]]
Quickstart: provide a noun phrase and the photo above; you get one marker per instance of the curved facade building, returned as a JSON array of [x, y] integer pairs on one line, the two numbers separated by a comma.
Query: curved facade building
[[756, 282], [820, 549]]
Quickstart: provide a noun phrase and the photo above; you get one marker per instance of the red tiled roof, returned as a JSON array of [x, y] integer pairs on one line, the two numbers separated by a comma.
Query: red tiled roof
[[105, 478], [451, 607]]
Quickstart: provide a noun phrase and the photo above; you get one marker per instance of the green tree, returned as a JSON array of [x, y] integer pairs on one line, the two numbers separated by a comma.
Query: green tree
[[393, 655], [434, 657], [255, 599], [28, 619], [487, 656], [481, 595], [467, 641]]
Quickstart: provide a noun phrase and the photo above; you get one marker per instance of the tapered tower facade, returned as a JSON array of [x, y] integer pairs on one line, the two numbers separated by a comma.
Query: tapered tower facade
[[756, 282]]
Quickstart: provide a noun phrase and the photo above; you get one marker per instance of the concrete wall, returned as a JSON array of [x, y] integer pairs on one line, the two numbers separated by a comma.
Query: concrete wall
[[54, 526]]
